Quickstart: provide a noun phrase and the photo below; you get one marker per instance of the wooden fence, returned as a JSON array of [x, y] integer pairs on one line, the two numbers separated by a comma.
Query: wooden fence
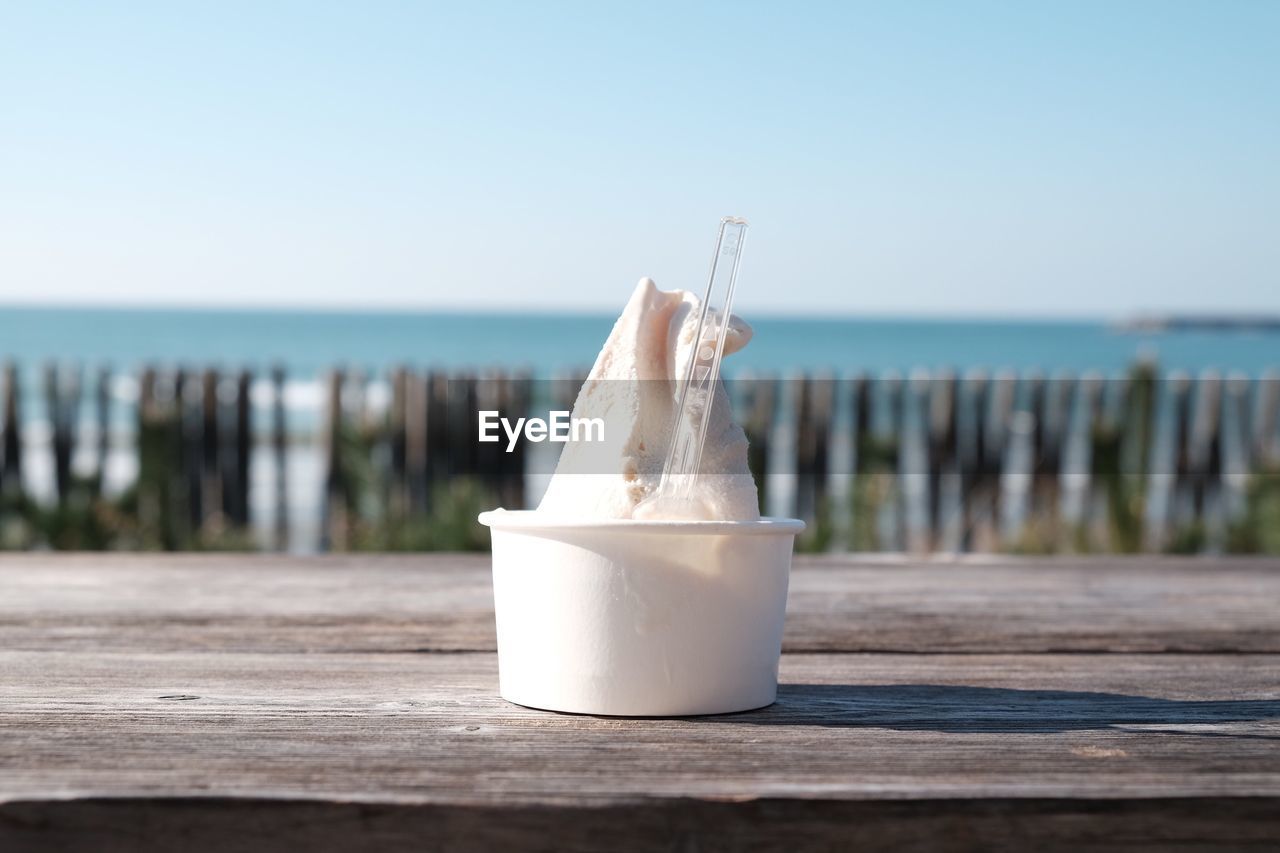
[[932, 462], [927, 462]]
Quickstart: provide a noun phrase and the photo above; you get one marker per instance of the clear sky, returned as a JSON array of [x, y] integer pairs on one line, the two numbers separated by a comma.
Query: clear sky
[[940, 158]]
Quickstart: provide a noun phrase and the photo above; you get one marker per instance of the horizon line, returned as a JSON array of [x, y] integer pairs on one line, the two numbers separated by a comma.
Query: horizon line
[[1134, 317], [817, 314]]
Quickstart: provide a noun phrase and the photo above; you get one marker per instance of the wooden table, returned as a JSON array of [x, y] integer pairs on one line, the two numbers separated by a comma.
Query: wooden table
[[231, 703]]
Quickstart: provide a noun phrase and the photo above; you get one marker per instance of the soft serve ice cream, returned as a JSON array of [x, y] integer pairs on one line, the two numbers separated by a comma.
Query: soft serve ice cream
[[605, 605], [633, 387]]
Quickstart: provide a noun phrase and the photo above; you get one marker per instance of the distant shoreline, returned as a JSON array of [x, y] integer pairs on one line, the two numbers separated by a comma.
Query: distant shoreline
[[1201, 323]]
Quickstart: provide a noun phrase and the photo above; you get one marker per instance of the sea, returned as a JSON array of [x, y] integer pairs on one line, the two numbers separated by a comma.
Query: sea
[[309, 342]]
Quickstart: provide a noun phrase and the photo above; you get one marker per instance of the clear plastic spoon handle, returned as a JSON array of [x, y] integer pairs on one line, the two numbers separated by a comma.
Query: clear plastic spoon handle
[[693, 409]]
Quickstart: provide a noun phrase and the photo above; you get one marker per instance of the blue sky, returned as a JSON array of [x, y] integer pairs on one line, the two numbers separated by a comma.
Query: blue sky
[[1037, 159]]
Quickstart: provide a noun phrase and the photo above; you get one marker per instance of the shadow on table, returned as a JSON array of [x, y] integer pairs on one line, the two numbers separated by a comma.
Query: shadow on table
[[951, 708]]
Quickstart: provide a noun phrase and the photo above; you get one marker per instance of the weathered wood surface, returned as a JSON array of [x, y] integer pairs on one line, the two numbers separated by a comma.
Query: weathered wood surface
[[444, 603], [410, 728], [236, 703]]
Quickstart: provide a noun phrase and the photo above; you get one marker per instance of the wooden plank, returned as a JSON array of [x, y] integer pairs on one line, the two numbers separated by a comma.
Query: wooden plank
[[443, 602], [430, 729], [234, 825]]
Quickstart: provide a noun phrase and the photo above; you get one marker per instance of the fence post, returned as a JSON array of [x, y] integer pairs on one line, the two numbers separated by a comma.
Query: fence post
[[815, 413], [210, 479], [334, 520], [780, 473], [760, 393], [397, 417], [883, 454], [1204, 451], [243, 447], [944, 463], [1266, 439], [972, 400], [151, 487], [1168, 463], [418, 426], [62, 396], [1235, 445], [1055, 420], [11, 449], [188, 400], [490, 460], [517, 401], [280, 443], [842, 459], [994, 414], [102, 413], [438, 464]]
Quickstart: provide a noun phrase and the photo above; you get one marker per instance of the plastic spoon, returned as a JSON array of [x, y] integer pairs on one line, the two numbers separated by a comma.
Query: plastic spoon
[[675, 497]]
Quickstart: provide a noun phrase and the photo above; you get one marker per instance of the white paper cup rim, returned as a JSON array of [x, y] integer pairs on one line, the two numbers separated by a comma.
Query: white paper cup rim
[[526, 519]]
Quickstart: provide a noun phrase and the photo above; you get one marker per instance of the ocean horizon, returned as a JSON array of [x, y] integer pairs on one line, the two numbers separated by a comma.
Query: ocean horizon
[[309, 342]]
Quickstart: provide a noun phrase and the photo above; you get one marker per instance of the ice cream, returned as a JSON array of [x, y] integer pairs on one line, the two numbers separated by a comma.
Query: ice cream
[[633, 387], [627, 594]]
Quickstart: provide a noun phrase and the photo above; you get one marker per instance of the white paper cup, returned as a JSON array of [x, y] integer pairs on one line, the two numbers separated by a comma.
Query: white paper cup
[[639, 618]]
